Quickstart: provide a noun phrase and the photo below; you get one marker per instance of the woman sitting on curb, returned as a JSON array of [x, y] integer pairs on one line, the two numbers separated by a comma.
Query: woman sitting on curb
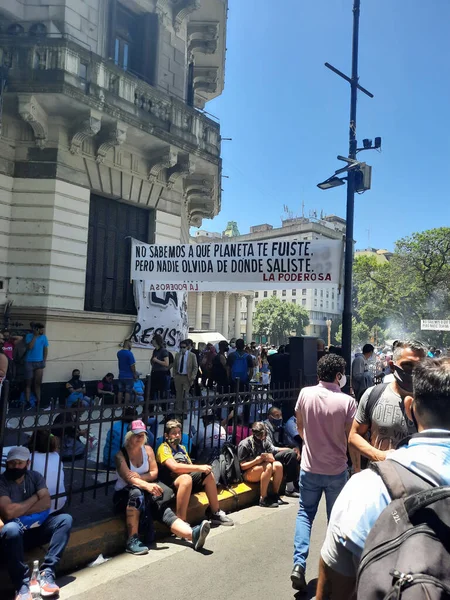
[[140, 495], [186, 478]]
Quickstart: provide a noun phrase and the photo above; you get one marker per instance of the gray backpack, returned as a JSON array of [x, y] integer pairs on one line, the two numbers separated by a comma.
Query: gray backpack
[[407, 552]]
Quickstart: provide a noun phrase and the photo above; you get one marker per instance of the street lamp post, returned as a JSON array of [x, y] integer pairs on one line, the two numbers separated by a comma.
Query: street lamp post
[[358, 179], [350, 214]]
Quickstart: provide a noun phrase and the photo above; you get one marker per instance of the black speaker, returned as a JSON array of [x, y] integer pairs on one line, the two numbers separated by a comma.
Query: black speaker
[[303, 359]]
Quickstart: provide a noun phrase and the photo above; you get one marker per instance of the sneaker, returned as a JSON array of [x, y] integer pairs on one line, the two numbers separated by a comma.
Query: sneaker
[[200, 533], [135, 546], [292, 494], [24, 593], [277, 498], [220, 518], [298, 579], [48, 585], [267, 503]]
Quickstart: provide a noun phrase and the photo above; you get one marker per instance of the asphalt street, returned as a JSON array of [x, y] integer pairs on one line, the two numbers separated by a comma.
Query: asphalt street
[[251, 560]]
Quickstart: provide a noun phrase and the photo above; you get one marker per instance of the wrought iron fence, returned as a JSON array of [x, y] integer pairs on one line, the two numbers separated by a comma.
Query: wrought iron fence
[[75, 447]]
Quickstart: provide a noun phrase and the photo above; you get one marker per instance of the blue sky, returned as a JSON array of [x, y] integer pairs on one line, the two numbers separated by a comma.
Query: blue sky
[[288, 114]]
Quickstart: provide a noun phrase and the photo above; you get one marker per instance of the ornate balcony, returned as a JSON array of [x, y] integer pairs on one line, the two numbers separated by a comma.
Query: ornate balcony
[[106, 107]]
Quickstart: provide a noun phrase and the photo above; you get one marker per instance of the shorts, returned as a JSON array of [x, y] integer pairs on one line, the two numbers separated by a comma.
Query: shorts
[[126, 385], [160, 508], [197, 481], [31, 367]]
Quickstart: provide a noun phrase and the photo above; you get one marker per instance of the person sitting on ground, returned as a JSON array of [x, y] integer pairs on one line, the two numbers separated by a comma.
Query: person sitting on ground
[[236, 432], [106, 390], [138, 391], [257, 460], [210, 437], [45, 459], [77, 390], [381, 409], [288, 457], [365, 496], [186, 478], [24, 508], [68, 431], [140, 495], [292, 438]]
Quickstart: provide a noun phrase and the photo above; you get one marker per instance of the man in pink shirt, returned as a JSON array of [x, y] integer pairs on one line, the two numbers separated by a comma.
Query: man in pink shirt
[[324, 419]]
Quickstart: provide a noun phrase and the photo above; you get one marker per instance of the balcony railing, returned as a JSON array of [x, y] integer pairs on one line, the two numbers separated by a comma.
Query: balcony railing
[[50, 64]]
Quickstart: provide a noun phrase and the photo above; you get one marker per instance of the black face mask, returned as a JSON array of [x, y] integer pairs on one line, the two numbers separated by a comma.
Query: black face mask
[[404, 379], [14, 474]]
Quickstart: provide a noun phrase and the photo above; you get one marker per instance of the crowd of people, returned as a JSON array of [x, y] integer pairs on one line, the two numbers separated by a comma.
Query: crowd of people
[[337, 444]]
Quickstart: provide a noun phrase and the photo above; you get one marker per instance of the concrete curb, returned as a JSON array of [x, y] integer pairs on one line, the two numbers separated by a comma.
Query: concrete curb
[[107, 537]]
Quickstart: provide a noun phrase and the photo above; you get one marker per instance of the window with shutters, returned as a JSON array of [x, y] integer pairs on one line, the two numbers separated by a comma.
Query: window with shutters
[[111, 225], [133, 40]]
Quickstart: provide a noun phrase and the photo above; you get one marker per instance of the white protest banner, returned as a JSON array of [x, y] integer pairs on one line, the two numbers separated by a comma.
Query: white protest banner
[[159, 312], [244, 265], [435, 325]]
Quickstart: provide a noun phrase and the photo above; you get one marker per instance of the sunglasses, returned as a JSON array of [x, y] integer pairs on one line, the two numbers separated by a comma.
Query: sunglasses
[[257, 432]]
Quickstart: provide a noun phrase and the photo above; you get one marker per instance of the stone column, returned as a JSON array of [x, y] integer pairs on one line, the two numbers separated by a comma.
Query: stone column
[[213, 311], [249, 330], [198, 310], [237, 317], [226, 315]]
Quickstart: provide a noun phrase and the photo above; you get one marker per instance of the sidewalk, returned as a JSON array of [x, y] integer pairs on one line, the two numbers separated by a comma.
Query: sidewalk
[[98, 531]]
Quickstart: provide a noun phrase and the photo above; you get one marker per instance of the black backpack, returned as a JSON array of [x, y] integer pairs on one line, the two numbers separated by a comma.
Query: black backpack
[[407, 552], [230, 469]]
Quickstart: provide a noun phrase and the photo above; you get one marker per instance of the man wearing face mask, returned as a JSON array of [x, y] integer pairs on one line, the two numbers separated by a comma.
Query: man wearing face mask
[[426, 454], [258, 464], [381, 409], [324, 418], [288, 457], [24, 508]]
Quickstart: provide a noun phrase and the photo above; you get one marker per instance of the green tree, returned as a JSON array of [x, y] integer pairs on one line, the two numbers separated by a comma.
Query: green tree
[[360, 333], [278, 320], [413, 285]]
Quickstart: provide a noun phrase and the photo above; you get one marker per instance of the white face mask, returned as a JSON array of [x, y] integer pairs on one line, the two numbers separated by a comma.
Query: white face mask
[[342, 381]]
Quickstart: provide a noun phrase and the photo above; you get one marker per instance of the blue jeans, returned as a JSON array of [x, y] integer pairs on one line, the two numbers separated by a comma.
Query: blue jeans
[[76, 397], [311, 487], [55, 531]]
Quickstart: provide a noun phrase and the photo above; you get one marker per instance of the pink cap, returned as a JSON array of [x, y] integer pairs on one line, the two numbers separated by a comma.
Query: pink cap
[[138, 427]]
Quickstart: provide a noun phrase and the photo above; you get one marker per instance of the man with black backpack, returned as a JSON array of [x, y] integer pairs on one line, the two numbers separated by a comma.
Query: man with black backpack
[[240, 366], [381, 409], [389, 529]]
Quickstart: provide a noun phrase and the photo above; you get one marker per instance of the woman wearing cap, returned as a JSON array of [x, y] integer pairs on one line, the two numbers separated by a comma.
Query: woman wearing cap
[[140, 495]]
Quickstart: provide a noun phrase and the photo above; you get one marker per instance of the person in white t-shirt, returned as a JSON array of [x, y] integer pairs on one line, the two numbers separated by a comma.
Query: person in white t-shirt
[[211, 435], [45, 459]]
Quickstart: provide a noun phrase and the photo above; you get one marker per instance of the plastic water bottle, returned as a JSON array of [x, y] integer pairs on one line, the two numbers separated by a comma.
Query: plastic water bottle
[[35, 581]]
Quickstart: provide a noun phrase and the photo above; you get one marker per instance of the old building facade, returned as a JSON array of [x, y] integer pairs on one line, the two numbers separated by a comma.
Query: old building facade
[[103, 138], [232, 313]]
